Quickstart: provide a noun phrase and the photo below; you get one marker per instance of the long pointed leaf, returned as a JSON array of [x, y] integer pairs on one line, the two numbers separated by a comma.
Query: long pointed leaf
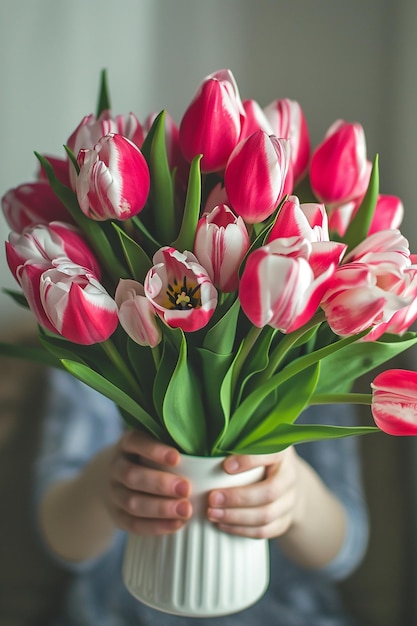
[[183, 409], [290, 434], [185, 239], [340, 369], [119, 397], [103, 103], [358, 228]]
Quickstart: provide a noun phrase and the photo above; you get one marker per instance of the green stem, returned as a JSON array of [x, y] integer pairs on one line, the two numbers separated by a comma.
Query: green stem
[[341, 398], [116, 358], [285, 345], [156, 355], [247, 345]]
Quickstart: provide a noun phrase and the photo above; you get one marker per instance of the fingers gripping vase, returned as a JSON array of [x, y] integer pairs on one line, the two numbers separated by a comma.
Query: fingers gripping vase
[[199, 571]]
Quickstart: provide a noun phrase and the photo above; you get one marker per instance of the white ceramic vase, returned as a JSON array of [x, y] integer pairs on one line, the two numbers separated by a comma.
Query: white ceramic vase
[[199, 571]]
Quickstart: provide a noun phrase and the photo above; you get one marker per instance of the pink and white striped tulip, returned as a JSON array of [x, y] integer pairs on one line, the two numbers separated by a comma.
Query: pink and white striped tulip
[[255, 119], [339, 169], [255, 176], [220, 244], [136, 313], [180, 290], [308, 221], [114, 179], [355, 302], [376, 281], [31, 204], [288, 121], [278, 285], [69, 300], [402, 319], [211, 125], [394, 402], [383, 251], [388, 215], [46, 244], [77, 305], [90, 130]]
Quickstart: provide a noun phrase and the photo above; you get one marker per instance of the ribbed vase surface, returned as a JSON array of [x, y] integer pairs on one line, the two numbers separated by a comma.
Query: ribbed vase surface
[[199, 571]]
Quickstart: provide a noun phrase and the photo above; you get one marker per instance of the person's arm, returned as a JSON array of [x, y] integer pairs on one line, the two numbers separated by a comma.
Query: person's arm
[[291, 503]]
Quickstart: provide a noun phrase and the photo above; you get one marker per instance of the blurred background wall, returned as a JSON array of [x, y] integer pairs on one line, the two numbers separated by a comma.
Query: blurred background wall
[[351, 60]]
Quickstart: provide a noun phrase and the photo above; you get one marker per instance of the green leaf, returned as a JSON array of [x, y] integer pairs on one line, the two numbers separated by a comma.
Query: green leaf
[[29, 353], [119, 397], [213, 370], [170, 349], [103, 103], [340, 369], [220, 337], [183, 409], [358, 228], [17, 296], [137, 260], [162, 191], [250, 422], [290, 434], [185, 239]]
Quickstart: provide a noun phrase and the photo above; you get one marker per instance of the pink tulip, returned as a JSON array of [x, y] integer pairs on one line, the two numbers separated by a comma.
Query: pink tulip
[[31, 204], [60, 167], [339, 170], [220, 244], [388, 215], [385, 250], [255, 176], [29, 276], [76, 304], [404, 317], [114, 179], [45, 244], [136, 313], [308, 221], [180, 290], [278, 285], [394, 402], [287, 121], [211, 125], [90, 130], [255, 119], [371, 286]]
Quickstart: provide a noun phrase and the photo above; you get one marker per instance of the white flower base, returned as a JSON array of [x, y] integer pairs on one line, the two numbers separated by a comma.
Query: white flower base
[[199, 571]]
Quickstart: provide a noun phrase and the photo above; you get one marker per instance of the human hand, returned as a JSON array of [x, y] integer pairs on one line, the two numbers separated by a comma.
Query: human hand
[[139, 498], [264, 509]]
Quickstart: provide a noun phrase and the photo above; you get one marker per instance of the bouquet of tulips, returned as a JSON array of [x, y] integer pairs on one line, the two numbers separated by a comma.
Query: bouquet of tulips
[[217, 277]]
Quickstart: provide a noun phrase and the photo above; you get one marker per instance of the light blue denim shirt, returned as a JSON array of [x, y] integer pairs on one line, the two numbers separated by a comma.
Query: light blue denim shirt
[[79, 422]]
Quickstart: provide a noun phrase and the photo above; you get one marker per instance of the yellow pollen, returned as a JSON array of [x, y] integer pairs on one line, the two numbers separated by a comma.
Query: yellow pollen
[[182, 298]]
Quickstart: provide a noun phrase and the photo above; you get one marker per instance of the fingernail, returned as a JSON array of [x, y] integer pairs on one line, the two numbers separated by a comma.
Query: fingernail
[[217, 498], [171, 457], [182, 489], [232, 465], [182, 509]]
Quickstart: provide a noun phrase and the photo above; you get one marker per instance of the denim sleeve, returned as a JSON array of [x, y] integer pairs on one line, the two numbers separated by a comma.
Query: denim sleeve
[[338, 464], [78, 423]]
